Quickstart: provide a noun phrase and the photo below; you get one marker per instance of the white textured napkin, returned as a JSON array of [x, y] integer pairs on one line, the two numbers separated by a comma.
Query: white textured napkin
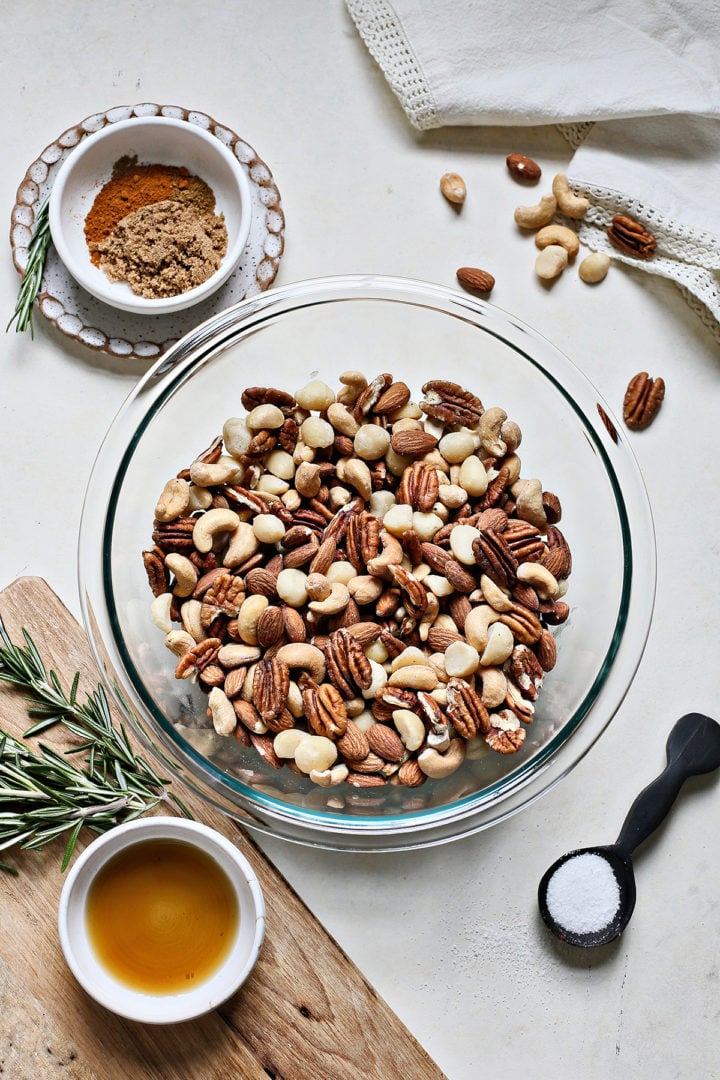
[[650, 71]]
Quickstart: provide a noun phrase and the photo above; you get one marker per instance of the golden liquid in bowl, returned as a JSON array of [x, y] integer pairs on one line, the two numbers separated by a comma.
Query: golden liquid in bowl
[[161, 916]]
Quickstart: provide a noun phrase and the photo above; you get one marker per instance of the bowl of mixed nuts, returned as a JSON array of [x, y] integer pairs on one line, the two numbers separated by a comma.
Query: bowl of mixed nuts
[[366, 561]]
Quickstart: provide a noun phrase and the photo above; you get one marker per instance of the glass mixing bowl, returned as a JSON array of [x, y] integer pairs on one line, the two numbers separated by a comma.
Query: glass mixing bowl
[[418, 332]]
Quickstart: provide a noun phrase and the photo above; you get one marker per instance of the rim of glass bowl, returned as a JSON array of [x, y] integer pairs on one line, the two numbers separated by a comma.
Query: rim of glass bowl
[[469, 813]]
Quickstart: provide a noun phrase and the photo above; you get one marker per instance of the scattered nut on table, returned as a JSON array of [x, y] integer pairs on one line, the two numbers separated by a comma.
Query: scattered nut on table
[[478, 280], [642, 401], [522, 167], [551, 262], [453, 188], [594, 267]]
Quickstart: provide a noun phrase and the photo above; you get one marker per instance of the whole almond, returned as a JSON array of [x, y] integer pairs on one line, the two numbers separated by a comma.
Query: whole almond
[[270, 627], [453, 188], [477, 280], [353, 743], [396, 395], [522, 167], [413, 442], [385, 742]]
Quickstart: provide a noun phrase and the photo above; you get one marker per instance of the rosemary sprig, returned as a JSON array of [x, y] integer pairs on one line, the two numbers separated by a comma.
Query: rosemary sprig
[[43, 795], [32, 276]]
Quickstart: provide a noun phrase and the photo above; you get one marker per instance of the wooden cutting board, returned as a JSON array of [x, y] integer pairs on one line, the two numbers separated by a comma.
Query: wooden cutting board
[[305, 1013]]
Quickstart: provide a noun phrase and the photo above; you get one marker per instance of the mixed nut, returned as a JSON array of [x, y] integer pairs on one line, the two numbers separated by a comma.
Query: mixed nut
[[362, 584]]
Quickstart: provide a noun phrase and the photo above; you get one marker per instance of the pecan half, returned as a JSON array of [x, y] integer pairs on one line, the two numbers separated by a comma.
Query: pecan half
[[267, 395], [347, 665], [505, 742], [224, 597], [525, 624], [465, 709], [157, 573], [526, 671], [271, 686], [419, 486], [325, 710], [415, 597], [631, 237], [495, 558], [558, 558], [643, 399], [197, 658], [174, 535], [450, 403]]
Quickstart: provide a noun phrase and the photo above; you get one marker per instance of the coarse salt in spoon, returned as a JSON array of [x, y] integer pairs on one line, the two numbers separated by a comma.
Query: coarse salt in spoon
[[587, 896]]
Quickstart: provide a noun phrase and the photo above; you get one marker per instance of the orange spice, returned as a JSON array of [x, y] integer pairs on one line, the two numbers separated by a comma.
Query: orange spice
[[132, 187]]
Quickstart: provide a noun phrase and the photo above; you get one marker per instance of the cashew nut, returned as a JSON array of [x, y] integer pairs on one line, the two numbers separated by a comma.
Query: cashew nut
[[558, 234], [185, 572], [535, 574], [160, 612], [410, 728], [511, 435], [533, 217], [190, 618], [365, 589], [242, 544], [488, 429], [391, 555], [173, 501], [224, 471], [414, 677], [429, 615], [551, 262], [300, 654], [437, 766], [179, 641], [529, 504], [494, 686], [357, 474], [500, 644], [377, 683], [210, 524], [477, 625], [329, 777], [248, 617], [495, 596], [570, 204], [337, 601], [235, 655], [224, 719]]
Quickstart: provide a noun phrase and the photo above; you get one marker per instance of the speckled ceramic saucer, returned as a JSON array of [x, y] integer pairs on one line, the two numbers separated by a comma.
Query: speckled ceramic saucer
[[80, 316]]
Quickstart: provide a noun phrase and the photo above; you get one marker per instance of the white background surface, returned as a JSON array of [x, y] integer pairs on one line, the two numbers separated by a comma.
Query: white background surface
[[450, 937]]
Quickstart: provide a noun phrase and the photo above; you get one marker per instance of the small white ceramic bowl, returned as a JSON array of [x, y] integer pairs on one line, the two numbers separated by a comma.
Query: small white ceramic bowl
[[154, 140], [161, 1008]]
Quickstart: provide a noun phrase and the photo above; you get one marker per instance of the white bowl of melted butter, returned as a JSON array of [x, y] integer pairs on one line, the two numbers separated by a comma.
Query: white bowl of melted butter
[[161, 920]]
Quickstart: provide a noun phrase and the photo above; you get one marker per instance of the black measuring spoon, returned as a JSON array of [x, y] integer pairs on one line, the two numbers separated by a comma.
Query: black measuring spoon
[[693, 747]]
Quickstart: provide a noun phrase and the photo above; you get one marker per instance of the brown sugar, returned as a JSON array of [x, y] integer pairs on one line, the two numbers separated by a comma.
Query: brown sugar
[[164, 248]]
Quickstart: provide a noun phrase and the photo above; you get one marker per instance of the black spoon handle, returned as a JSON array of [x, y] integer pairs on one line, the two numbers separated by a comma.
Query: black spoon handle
[[693, 747]]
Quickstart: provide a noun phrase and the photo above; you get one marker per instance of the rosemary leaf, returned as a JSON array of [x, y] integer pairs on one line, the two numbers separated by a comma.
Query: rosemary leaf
[[33, 275], [42, 794]]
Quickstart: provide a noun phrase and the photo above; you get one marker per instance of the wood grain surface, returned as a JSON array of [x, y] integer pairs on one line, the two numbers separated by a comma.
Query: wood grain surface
[[305, 1013]]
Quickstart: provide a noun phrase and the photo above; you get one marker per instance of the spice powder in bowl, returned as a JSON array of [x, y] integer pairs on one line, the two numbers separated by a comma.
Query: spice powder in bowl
[[155, 227], [151, 214]]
